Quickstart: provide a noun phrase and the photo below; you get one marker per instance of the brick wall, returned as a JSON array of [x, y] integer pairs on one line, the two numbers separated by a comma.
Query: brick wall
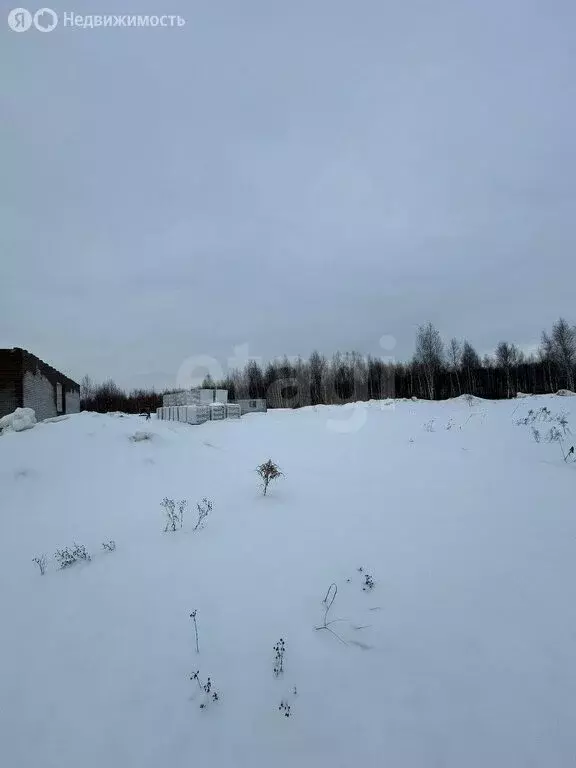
[[39, 393], [8, 399], [10, 380], [28, 382], [45, 389]]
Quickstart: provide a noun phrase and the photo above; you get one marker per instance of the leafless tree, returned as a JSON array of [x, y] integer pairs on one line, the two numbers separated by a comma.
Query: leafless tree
[[507, 356], [87, 388], [563, 349], [208, 382], [545, 356], [317, 378], [454, 354], [429, 354]]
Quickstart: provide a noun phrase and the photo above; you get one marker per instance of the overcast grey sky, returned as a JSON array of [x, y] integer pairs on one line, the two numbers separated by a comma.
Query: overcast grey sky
[[286, 176]]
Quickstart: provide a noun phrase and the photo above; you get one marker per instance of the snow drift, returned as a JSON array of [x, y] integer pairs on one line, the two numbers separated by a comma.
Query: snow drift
[[18, 420]]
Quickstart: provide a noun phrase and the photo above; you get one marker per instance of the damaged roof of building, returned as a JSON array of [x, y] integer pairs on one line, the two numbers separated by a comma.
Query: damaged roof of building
[[30, 360]]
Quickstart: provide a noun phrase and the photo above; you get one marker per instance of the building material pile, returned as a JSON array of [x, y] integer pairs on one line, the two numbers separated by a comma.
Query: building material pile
[[195, 406]]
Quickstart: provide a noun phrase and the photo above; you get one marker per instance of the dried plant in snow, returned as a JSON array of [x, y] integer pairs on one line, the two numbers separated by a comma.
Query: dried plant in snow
[[68, 556], [41, 561], [562, 420], [209, 694], [193, 617], [368, 585], [279, 651], [204, 508], [174, 519], [328, 602], [556, 436], [181, 508], [169, 506], [268, 471]]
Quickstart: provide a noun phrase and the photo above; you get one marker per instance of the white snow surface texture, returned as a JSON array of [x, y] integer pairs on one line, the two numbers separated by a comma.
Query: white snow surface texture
[[463, 655]]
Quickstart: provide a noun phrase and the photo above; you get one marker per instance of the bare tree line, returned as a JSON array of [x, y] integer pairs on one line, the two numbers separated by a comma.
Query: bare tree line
[[108, 397], [437, 371]]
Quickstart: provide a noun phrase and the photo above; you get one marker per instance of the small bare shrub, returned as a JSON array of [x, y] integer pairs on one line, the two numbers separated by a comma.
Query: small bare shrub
[[64, 557], [210, 694], [204, 509], [562, 420], [368, 585], [181, 508], [41, 561], [279, 651], [109, 546], [174, 518], [68, 556], [268, 471], [542, 414], [80, 553], [556, 436]]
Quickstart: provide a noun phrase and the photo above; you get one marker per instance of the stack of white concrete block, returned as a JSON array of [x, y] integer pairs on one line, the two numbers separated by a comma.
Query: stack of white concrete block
[[217, 411], [233, 411], [195, 406], [187, 414]]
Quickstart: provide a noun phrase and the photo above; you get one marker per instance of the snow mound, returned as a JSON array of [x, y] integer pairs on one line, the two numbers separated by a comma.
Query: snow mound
[[522, 394], [467, 399], [18, 420], [565, 393], [138, 437]]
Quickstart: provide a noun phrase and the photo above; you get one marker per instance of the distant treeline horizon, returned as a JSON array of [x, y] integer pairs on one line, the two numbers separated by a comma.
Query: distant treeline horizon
[[437, 371]]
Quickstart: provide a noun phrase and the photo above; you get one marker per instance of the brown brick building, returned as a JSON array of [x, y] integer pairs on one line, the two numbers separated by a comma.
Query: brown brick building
[[27, 382]]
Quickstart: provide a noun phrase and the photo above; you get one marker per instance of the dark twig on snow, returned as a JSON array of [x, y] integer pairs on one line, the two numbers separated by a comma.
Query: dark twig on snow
[[193, 616], [40, 561], [328, 602]]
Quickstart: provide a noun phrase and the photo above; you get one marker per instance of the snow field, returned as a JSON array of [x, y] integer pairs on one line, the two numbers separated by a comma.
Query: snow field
[[463, 653]]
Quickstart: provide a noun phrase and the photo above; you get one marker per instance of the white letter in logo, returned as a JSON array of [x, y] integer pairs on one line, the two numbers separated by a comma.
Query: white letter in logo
[[19, 20]]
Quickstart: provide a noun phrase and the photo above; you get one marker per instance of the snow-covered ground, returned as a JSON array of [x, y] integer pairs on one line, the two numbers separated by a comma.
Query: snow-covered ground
[[463, 655]]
